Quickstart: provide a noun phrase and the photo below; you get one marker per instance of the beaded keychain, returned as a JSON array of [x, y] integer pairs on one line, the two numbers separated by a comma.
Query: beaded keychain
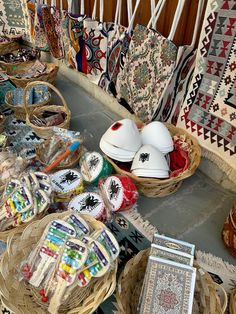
[[54, 238]]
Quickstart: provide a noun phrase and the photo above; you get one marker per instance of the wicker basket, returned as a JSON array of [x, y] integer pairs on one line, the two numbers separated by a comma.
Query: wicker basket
[[8, 47], [130, 285], [19, 110], [48, 76], [74, 162], [2, 123], [156, 187], [20, 298], [47, 132], [10, 66], [229, 231], [232, 302]]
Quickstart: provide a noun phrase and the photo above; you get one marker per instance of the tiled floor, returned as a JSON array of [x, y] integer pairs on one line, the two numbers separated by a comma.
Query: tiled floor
[[195, 213]]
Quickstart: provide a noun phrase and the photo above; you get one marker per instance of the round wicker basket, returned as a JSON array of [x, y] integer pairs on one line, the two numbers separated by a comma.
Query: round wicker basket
[[19, 110], [18, 296], [40, 149], [156, 187], [206, 299], [47, 132], [48, 76]]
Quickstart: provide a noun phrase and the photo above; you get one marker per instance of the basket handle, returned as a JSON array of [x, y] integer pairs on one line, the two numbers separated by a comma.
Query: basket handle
[[50, 86], [219, 287]]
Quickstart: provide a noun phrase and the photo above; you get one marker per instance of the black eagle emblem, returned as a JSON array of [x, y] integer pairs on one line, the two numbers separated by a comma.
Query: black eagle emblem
[[89, 203], [114, 190], [68, 177], [93, 162], [144, 157]]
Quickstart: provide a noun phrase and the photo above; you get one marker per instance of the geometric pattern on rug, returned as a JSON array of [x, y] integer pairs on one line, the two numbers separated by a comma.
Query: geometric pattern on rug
[[13, 17], [209, 111]]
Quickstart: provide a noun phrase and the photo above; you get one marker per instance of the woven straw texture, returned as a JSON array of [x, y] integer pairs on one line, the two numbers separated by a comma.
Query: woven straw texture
[[206, 299], [8, 47], [47, 132], [48, 76], [19, 110], [19, 297], [158, 188], [2, 123], [229, 231], [232, 304]]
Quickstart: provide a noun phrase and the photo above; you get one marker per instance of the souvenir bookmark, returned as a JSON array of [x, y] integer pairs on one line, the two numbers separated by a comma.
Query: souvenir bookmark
[[57, 234]]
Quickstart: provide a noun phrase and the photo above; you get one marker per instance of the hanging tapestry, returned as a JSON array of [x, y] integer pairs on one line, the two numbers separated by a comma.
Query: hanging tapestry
[[209, 110], [13, 18]]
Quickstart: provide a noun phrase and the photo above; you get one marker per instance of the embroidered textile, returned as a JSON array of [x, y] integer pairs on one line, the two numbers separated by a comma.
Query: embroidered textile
[[209, 110]]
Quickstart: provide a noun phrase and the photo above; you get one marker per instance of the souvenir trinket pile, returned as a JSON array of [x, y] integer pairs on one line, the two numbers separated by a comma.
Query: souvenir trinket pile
[[21, 55], [49, 118], [69, 255], [24, 198], [50, 150], [11, 165], [34, 70]]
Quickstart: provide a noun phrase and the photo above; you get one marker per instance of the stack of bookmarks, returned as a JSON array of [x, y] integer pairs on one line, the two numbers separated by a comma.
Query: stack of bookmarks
[[169, 281]]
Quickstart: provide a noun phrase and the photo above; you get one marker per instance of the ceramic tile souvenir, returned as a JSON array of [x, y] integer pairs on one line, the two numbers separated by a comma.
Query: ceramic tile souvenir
[[172, 255], [168, 288], [173, 244]]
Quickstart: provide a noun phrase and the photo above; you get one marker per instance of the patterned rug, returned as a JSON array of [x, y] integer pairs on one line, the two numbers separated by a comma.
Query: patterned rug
[[13, 18], [209, 110]]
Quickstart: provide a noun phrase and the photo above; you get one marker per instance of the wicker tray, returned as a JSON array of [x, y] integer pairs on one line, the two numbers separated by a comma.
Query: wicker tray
[[156, 187], [130, 285], [48, 76], [20, 298], [47, 132], [19, 111]]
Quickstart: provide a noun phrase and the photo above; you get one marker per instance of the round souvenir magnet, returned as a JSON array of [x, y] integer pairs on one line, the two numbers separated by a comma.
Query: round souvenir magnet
[[88, 203], [94, 167], [120, 191], [66, 182]]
